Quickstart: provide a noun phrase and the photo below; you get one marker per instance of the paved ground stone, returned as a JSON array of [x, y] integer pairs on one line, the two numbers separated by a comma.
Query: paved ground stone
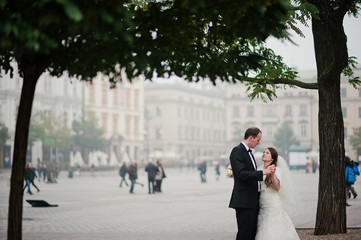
[[97, 208]]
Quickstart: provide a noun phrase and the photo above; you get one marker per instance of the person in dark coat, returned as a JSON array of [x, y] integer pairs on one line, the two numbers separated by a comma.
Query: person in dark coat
[[152, 171], [122, 172], [202, 167], [132, 172], [30, 175], [159, 177]]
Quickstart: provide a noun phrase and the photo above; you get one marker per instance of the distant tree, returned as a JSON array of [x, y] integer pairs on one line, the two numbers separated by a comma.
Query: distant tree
[[355, 140], [88, 135], [284, 138], [50, 128], [3, 137]]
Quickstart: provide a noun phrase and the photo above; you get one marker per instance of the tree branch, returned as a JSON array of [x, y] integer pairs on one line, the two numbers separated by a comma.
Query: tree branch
[[281, 81]]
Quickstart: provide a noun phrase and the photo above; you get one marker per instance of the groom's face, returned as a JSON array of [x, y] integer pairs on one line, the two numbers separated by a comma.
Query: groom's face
[[254, 141]]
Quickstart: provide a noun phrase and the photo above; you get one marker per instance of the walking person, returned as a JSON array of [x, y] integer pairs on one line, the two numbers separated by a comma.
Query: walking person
[[30, 175], [357, 172], [40, 171], [246, 188], [44, 172], [159, 177], [122, 172], [202, 167], [350, 177], [218, 173], [152, 170], [133, 175]]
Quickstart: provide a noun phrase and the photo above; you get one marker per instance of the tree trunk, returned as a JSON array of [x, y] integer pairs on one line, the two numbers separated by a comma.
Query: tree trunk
[[331, 59], [20, 147]]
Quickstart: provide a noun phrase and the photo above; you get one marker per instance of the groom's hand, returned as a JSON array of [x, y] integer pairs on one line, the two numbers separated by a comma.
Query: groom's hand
[[269, 170]]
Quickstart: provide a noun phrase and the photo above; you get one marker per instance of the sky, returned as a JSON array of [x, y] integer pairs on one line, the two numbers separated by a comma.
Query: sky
[[302, 56]]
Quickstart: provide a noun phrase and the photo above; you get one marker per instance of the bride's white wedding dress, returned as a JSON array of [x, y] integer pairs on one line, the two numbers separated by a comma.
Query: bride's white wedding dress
[[273, 221]]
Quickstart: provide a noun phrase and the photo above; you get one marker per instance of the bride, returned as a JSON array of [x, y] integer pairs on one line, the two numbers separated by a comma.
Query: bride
[[273, 221]]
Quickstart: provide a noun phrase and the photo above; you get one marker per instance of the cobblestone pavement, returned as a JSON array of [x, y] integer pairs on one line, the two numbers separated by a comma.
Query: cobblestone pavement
[[97, 208]]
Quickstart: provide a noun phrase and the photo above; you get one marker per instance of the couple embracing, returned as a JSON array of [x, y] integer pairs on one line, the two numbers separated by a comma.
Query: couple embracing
[[255, 197]]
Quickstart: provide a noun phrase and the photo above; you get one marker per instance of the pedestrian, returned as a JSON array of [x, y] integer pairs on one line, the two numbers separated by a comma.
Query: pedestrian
[[314, 166], [92, 170], [357, 172], [152, 170], [202, 167], [44, 172], [40, 171], [30, 175], [77, 172], [218, 173], [350, 177], [132, 172], [246, 188], [159, 177], [122, 172]]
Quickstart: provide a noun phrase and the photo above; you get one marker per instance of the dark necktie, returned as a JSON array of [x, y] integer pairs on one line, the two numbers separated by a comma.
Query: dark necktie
[[255, 167], [253, 159]]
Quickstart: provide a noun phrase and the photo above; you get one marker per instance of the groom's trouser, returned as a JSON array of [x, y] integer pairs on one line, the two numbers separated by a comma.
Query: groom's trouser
[[247, 223]]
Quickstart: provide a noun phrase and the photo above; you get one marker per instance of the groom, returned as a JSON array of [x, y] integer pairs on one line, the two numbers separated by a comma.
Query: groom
[[246, 189]]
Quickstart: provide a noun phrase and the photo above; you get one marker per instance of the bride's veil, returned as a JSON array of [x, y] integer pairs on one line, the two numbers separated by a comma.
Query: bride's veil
[[288, 190]]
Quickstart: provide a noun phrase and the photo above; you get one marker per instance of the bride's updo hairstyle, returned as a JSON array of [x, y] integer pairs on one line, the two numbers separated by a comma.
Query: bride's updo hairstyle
[[274, 154]]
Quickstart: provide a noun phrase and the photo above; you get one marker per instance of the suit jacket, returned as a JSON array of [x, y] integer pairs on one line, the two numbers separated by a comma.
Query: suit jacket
[[245, 189]]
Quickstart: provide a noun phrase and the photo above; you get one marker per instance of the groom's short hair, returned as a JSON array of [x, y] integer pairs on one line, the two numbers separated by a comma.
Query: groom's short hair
[[252, 131]]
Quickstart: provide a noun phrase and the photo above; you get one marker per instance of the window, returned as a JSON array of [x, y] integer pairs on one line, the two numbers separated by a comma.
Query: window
[[359, 112], [343, 92], [345, 133], [250, 111], [127, 127], [115, 124], [104, 94], [136, 152], [65, 88], [235, 111], [75, 93], [136, 127], [158, 133], [344, 112], [115, 98], [105, 122], [288, 110], [303, 130], [159, 111], [303, 110], [269, 131], [269, 111], [136, 99], [127, 98]]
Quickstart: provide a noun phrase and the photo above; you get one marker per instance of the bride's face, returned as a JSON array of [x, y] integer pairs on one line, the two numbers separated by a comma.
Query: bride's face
[[266, 156]]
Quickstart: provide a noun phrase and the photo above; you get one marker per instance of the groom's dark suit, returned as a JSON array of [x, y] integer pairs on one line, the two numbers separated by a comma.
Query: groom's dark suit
[[245, 195]]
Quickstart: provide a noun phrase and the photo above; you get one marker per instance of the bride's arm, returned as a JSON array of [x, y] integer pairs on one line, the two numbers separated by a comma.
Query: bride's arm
[[275, 182]]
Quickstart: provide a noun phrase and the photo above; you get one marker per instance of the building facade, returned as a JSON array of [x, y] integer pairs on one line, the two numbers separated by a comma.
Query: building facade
[[120, 112], [184, 122], [293, 106], [62, 96], [351, 110]]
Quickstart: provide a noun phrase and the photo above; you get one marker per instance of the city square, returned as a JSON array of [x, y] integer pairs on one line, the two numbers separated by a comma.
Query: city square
[[95, 207]]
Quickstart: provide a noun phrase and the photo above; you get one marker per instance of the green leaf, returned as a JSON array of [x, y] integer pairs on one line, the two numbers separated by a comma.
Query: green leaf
[[72, 10]]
